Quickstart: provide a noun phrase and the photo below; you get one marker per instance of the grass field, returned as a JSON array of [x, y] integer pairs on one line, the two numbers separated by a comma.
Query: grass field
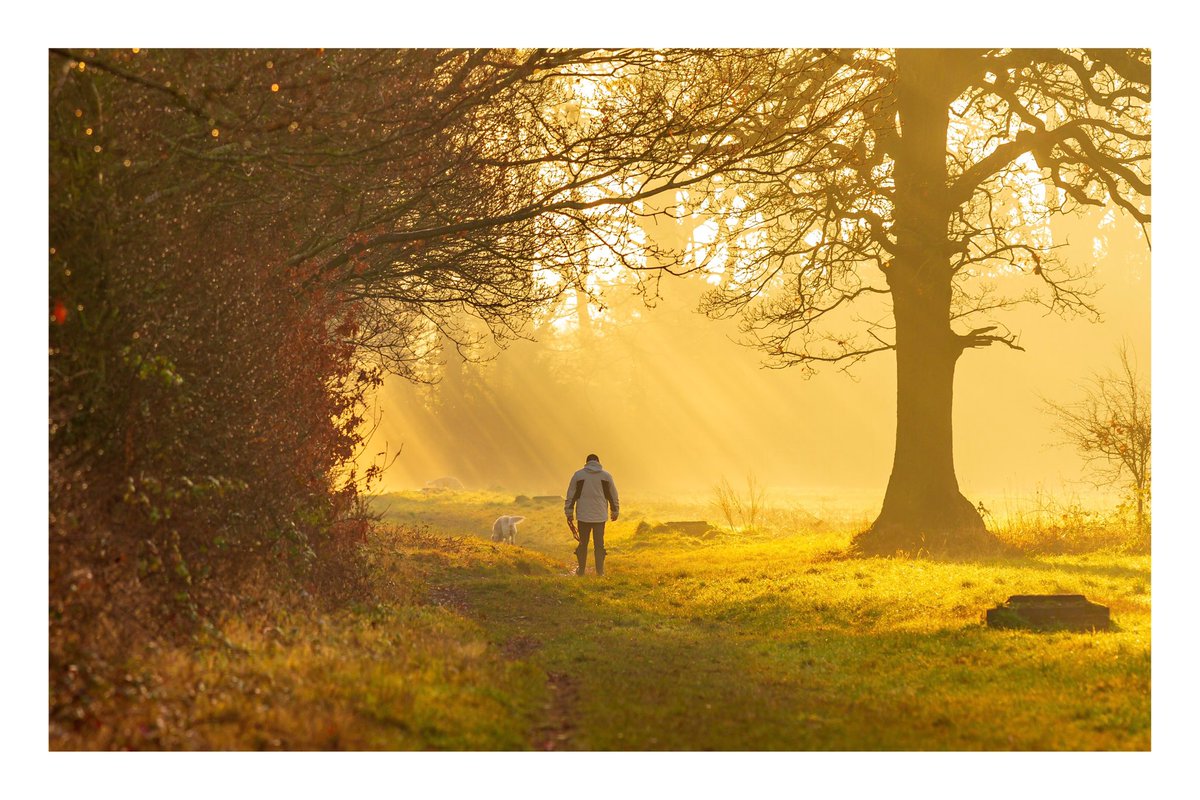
[[764, 640], [777, 641]]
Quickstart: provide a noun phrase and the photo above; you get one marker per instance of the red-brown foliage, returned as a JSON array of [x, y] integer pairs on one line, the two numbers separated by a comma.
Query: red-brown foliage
[[205, 399]]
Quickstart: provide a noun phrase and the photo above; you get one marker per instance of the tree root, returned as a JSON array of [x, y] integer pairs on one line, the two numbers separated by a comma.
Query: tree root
[[966, 541]]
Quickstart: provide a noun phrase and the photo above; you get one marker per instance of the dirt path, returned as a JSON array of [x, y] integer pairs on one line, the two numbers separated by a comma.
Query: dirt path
[[558, 726], [451, 597], [557, 732]]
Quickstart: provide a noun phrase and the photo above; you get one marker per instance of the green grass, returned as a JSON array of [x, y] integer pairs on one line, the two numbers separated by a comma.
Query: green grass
[[776, 641], [766, 640]]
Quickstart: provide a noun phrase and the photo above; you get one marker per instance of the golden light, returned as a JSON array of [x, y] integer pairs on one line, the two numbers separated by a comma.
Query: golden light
[[274, 87], [216, 132]]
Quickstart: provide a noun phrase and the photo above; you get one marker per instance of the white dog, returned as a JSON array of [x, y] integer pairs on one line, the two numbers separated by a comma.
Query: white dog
[[504, 529]]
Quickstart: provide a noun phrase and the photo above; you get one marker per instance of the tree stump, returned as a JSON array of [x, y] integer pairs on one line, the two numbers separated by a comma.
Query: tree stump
[[1049, 612]]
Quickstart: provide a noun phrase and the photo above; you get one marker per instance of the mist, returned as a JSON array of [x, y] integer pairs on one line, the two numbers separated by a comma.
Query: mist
[[672, 402]]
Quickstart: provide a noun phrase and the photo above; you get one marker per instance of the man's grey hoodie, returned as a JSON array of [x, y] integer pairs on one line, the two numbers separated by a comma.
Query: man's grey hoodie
[[590, 493]]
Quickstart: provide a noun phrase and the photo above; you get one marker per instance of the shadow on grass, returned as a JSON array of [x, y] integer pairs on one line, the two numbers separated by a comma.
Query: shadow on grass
[[1115, 571], [1019, 560]]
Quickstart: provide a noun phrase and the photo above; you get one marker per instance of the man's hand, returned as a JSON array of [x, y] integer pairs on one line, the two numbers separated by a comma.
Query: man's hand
[[613, 516], [574, 530]]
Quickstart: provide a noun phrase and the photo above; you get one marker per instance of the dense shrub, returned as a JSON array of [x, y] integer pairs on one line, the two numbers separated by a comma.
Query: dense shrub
[[206, 398]]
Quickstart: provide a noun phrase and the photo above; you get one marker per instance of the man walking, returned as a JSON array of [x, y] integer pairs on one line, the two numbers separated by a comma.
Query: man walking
[[591, 497]]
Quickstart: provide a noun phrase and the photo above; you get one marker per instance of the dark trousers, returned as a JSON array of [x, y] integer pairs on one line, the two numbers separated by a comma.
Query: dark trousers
[[594, 530]]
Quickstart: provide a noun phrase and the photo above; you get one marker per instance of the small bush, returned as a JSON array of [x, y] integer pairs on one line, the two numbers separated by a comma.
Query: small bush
[[1059, 526]]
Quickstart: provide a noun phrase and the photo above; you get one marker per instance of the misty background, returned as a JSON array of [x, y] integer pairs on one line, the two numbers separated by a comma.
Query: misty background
[[672, 403]]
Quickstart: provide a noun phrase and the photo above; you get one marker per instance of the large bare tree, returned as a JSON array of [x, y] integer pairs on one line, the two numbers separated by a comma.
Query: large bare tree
[[924, 211]]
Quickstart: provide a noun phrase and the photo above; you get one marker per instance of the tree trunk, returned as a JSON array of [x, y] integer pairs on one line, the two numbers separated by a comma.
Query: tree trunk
[[923, 510], [584, 318]]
